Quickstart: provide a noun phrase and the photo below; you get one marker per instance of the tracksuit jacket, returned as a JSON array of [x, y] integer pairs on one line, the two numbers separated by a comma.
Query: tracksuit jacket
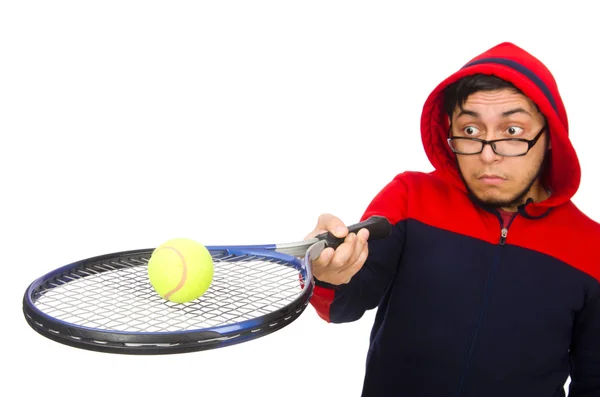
[[468, 305]]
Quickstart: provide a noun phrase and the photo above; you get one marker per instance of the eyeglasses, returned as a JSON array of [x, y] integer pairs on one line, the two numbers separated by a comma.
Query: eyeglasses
[[508, 147]]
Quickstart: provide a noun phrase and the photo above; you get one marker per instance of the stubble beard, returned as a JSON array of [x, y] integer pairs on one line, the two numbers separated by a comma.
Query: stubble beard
[[515, 201]]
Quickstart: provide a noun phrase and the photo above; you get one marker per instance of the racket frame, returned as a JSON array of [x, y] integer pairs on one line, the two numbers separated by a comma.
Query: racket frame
[[122, 342]]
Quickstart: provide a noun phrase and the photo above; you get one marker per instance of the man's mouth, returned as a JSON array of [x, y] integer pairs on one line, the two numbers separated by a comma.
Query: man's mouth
[[491, 179]]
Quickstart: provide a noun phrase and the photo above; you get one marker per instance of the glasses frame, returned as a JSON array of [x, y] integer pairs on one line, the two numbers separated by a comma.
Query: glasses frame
[[530, 143]]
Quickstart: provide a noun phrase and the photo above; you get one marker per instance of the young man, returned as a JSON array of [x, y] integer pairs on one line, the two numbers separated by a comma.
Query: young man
[[488, 285]]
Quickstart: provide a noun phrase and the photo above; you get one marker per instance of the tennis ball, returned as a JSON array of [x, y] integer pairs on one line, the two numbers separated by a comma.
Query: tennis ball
[[180, 270]]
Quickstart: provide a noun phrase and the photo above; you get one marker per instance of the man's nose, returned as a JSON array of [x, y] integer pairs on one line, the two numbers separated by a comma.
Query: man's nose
[[487, 155]]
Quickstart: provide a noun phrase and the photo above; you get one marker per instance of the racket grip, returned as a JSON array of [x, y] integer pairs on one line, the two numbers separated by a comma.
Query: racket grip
[[378, 226]]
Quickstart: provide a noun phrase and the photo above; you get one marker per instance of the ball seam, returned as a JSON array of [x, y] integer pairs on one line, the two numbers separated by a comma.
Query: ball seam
[[183, 279]]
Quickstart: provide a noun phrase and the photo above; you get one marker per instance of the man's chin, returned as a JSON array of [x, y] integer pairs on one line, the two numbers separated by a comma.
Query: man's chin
[[496, 200], [498, 195]]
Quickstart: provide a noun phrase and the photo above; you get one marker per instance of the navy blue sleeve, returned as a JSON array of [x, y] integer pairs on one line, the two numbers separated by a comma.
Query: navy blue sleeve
[[367, 287], [348, 302], [585, 350]]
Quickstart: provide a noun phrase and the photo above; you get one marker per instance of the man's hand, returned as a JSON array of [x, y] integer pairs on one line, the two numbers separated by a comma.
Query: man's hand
[[339, 266]]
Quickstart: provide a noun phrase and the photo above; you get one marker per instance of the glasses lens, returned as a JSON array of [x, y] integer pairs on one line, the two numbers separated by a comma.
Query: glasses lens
[[465, 146], [511, 148]]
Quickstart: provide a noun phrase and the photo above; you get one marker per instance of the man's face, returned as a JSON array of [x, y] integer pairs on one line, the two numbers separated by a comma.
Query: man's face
[[503, 182]]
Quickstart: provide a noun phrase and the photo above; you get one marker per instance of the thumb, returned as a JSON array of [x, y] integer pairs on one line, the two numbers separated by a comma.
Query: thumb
[[329, 223], [333, 224]]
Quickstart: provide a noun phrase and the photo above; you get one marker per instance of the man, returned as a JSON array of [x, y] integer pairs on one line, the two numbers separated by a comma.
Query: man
[[488, 285]]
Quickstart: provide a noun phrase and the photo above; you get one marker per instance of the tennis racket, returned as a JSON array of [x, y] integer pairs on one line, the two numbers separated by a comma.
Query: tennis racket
[[107, 304]]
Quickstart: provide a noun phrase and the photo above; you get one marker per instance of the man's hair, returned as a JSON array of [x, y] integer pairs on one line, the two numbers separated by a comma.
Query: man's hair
[[456, 94]]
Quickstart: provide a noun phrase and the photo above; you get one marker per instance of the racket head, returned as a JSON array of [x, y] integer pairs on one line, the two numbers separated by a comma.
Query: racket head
[[106, 303]]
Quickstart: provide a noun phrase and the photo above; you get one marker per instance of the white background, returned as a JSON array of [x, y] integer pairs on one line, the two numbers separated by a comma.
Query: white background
[[127, 123]]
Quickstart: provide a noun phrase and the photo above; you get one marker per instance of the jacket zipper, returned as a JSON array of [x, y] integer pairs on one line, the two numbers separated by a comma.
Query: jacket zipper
[[504, 230], [503, 235]]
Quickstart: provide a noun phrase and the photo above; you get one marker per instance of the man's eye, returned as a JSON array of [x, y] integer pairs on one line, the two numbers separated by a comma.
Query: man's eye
[[470, 130], [514, 130]]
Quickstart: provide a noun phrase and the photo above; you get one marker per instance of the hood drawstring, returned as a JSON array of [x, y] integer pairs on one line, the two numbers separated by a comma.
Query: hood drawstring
[[523, 210]]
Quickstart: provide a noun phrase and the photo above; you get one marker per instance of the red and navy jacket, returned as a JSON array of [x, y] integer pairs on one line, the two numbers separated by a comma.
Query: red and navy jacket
[[464, 310]]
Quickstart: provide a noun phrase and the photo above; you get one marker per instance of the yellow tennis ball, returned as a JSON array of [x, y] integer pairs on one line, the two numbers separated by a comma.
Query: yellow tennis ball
[[180, 270]]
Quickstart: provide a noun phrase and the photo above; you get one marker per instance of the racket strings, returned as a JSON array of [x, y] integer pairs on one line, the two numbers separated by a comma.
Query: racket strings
[[115, 294]]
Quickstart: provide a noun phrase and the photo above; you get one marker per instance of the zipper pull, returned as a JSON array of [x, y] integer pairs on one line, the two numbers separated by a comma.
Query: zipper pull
[[503, 235]]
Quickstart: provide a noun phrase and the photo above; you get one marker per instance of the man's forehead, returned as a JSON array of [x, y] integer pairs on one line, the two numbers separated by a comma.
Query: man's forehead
[[499, 96], [503, 101]]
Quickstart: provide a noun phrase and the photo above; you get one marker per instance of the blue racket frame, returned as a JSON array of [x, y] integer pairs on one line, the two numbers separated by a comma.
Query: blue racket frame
[[167, 342]]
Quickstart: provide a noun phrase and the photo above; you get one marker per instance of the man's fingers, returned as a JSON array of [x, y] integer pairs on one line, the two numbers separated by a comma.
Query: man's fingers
[[348, 252], [337, 276], [346, 275], [344, 253], [364, 234], [324, 258], [359, 244]]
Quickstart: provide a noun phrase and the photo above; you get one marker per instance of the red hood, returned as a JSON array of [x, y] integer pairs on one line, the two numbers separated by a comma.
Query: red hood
[[531, 76]]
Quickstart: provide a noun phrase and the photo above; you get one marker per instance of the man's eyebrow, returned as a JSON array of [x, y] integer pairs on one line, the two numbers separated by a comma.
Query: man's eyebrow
[[516, 110], [465, 112]]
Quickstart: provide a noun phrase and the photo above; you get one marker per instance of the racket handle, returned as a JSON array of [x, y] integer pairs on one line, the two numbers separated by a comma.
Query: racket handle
[[378, 226]]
